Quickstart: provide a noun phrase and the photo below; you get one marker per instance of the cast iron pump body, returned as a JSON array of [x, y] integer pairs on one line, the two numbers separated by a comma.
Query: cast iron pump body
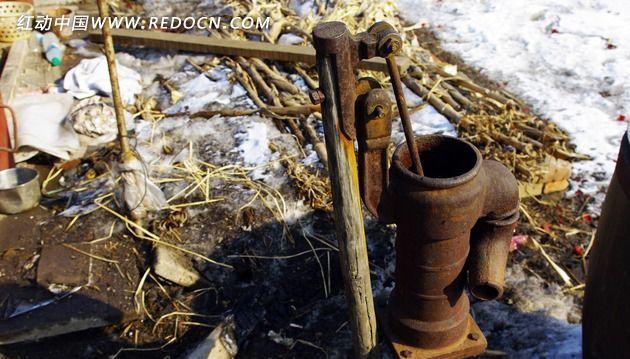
[[454, 222]]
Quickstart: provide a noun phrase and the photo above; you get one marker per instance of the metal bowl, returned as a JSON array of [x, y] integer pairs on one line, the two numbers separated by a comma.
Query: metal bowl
[[19, 190]]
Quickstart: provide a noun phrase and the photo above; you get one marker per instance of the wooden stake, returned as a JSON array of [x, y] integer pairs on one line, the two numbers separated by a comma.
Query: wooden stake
[[348, 220], [108, 45]]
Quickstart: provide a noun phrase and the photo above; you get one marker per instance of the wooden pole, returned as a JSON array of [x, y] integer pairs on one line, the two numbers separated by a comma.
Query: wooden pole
[[108, 45], [348, 215]]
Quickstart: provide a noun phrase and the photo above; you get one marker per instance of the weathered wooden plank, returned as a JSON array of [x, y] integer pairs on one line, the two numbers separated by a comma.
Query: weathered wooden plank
[[229, 47], [353, 255], [12, 69]]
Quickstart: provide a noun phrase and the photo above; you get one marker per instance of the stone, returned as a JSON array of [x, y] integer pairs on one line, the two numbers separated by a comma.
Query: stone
[[174, 266], [219, 344], [59, 264]]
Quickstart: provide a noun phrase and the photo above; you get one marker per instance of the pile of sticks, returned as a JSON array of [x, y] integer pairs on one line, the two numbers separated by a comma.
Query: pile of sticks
[[494, 120], [274, 95]]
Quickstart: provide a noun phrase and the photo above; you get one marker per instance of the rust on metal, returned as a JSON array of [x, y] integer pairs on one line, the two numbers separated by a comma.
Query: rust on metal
[[473, 344], [332, 39], [316, 96], [388, 45], [453, 228], [404, 114], [455, 213], [453, 225], [374, 127]]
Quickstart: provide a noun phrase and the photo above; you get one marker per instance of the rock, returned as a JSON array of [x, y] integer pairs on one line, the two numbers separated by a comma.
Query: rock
[[174, 266], [62, 265], [220, 344]]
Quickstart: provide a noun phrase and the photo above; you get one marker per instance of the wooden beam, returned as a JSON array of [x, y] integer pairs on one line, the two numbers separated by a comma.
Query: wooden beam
[[211, 45]]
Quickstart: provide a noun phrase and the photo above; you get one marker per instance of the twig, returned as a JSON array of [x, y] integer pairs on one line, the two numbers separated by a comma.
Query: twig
[[111, 232], [258, 81], [275, 77], [89, 254], [153, 238], [561, 272], [310, 82], [278, 257]]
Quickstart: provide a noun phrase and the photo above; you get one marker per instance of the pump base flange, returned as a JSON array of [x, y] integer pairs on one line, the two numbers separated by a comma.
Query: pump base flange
[[474, 343]]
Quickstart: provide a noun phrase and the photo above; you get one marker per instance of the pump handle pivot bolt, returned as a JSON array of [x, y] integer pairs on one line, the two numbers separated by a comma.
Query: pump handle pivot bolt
[[317, 96]]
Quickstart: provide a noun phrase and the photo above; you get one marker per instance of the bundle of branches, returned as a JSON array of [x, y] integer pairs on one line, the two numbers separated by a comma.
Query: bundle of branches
[[495, 121]]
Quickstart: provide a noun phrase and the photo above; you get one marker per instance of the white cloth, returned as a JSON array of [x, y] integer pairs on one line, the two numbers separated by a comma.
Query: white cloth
[[91, 76], [43, 126]]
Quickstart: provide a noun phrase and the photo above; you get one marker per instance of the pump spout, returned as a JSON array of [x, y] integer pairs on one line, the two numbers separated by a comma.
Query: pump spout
[[490, 238]]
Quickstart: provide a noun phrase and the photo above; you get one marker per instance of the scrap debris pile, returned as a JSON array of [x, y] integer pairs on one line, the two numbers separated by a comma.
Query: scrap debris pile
[[184, 133]]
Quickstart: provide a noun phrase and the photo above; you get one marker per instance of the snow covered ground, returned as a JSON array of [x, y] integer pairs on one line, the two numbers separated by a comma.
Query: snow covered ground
[[569, 59]]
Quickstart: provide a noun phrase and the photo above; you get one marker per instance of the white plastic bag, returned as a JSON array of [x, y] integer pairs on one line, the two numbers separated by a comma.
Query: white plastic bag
[[91, 76]]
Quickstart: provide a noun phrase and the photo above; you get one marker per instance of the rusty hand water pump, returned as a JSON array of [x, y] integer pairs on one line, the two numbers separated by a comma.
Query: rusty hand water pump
[[455, 212]]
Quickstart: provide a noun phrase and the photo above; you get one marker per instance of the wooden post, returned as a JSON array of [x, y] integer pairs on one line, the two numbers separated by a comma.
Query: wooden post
[[108, 44], [348, 220]]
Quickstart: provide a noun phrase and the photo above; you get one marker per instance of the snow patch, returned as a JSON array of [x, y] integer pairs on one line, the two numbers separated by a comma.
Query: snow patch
[[535, 325], [254, 144], [199, 93], [311, 159], [290, 39], [569, 59], [527, 335], [531, 294], [426, 121]]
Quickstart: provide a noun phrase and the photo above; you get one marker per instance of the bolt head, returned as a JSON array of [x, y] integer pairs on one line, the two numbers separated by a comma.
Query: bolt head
[[393, 47], [379, 111], [317, 96], [406, 354], [473, 336]]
